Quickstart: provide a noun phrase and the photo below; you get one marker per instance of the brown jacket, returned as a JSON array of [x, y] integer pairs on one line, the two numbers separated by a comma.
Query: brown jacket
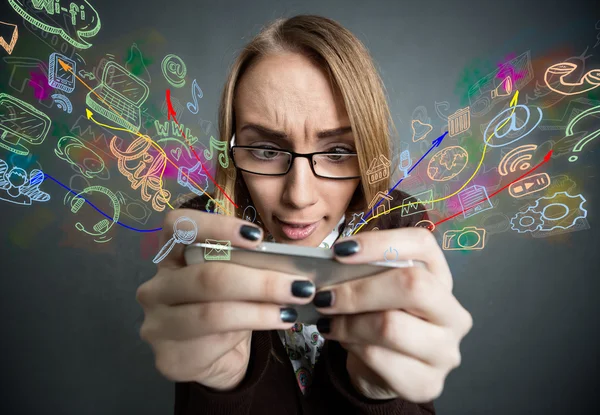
[[270, 386]]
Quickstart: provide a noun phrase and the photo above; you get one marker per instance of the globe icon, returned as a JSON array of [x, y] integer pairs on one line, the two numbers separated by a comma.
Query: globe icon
[[447, 163]]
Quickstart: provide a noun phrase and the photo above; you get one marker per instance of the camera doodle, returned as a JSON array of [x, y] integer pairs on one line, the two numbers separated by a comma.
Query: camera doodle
[[477, 181]]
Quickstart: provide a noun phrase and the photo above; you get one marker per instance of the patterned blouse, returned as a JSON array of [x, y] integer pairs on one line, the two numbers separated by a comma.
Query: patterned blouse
[[302, 342]]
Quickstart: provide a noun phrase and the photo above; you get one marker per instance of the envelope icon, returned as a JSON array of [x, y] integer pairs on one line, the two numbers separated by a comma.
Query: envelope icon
[[219, 250]]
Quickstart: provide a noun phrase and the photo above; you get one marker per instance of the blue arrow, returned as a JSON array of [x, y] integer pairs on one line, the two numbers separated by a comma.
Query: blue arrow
[[434, 144]]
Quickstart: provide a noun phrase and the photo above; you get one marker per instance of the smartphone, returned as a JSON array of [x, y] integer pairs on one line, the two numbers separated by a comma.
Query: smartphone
[[317, 264]]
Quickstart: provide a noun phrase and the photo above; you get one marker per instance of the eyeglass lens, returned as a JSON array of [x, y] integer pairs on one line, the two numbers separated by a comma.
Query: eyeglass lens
[[266, 161]]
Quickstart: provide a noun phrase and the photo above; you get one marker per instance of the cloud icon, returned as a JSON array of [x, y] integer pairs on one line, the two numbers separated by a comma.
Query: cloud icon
[[80, 20]]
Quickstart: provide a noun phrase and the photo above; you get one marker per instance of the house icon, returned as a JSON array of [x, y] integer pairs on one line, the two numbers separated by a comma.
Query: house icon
[[384, 207], [379, 169]]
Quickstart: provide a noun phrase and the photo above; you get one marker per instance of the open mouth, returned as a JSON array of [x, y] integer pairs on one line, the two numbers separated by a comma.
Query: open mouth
[[295, 230]]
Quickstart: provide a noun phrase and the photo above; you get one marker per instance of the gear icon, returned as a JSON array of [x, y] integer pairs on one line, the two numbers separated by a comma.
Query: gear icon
[[560, 210], [527, 221]]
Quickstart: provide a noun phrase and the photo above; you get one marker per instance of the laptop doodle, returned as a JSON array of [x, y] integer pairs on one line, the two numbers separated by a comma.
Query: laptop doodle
[[119, 97]]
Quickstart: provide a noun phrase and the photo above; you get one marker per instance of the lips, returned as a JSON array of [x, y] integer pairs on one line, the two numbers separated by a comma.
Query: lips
[[297, 230]]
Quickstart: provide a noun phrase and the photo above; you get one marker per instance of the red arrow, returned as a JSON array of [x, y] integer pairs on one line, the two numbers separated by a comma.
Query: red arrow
[[171, 113], [527, 173], [170, 110]]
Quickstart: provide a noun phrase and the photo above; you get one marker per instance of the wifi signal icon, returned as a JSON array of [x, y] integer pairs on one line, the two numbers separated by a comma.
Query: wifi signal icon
[[517, 158], [63, 103]]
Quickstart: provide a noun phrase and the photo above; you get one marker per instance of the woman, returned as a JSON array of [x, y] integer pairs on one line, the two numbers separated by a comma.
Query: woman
[[219, 330]]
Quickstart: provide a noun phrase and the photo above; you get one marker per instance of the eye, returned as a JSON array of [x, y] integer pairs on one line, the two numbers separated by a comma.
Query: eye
[[265, 153], [340, 152]]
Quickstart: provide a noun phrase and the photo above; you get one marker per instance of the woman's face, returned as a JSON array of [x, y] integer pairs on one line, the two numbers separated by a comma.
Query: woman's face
[[285, 102]]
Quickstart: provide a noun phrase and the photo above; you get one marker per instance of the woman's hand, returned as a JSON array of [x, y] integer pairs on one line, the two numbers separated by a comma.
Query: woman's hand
[[199, 318], [403, 327]]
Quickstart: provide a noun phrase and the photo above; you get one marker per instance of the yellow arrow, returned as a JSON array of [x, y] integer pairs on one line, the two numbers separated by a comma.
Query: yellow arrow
[[513, 103], [89, 114]]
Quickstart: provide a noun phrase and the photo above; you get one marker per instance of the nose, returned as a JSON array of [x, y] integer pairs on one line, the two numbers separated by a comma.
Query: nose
[[300, 185]]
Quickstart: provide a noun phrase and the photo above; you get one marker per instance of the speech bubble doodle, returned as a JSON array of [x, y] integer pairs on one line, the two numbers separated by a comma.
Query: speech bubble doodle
[[72, 150], [78, 21]]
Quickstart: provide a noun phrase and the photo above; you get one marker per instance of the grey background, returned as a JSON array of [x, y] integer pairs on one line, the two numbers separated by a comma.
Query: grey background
[[70, 322]]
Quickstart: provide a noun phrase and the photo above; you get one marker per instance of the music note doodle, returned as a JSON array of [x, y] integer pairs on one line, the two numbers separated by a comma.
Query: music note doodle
[[220, 146]]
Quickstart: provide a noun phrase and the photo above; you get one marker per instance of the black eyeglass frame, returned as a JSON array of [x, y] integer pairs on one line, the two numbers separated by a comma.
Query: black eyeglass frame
[[294, 155]]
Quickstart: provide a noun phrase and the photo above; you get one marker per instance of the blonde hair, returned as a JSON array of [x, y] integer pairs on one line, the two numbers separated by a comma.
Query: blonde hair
[[350, 69]]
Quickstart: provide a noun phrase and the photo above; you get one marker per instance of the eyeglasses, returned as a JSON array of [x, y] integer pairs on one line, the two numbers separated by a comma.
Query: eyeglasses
[[270, 162]]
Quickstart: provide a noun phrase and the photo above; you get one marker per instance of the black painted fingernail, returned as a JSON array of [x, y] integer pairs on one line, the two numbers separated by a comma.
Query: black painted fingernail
[[288, 315], [303, 289], [324, 325], [346, 248], [323, 299], [251, 233]]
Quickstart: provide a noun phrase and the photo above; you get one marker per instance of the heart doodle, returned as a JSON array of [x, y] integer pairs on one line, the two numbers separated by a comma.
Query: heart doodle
[[176, 153]]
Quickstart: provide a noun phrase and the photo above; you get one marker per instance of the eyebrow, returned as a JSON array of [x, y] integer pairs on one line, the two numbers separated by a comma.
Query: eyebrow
[[282, 136]]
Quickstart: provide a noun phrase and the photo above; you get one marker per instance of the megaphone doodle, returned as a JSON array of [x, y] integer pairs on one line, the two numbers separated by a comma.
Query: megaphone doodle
[[504, 89]]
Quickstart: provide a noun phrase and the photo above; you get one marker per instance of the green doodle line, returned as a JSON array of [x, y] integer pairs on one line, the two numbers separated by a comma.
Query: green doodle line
[[77, 202], [57, 31], [66, 143], [171, 66], [34, 113]]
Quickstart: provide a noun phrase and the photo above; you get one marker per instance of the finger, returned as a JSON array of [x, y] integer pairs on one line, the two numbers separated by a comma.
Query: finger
[[412, 379], [222, 281], [202, 319], [415, 290], [367, 379], [398, 331], [239, 232], [405, 244], [181, 361]]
